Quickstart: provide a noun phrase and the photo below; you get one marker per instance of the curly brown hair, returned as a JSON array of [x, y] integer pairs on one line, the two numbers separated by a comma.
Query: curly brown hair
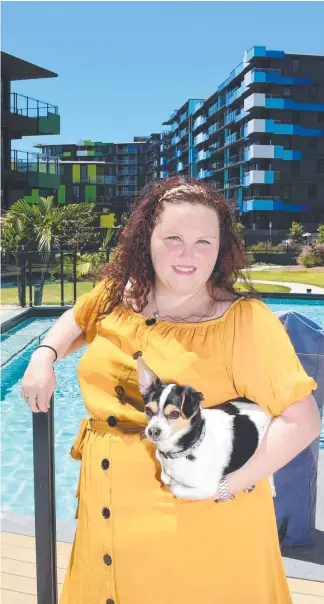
[[132, 260]]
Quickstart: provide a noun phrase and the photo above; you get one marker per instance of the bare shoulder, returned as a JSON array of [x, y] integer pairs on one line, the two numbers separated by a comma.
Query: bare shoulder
[[223, 300]]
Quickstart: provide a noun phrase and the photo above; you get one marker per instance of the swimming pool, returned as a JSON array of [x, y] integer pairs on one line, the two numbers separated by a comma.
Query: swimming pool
[[16, 443]]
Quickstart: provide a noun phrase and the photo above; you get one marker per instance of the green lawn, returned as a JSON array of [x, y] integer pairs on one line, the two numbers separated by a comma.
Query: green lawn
[[263, 287], [52, 292], [302, 276], [51, 295]]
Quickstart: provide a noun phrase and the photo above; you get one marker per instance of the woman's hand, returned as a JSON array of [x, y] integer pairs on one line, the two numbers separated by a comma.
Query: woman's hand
[[38, 383], [191, 494]]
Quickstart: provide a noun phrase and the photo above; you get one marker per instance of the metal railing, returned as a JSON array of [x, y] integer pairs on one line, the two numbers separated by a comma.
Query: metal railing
[[24, 161], [29, 107]]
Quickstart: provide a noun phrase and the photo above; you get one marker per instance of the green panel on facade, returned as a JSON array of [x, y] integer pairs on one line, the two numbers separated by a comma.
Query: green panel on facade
[[67, 153], [88, 143], [49, 124], [33, 198], [92, 170], [61, 194], [91, 153], [75, 173], [90, 193], [107, 221]]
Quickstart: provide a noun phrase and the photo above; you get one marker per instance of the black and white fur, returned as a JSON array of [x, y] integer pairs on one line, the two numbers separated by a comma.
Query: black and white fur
[[231, 432]]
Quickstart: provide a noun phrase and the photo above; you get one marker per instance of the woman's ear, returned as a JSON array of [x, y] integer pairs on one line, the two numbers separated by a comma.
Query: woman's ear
[[146, 377], [191, 402]]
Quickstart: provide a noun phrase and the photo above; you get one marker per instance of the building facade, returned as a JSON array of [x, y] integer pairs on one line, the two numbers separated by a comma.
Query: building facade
[[24, 173], [107, 174], [259, 138]]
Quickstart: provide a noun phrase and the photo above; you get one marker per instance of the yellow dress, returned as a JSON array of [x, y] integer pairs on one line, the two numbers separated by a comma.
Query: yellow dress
[[135, 542]]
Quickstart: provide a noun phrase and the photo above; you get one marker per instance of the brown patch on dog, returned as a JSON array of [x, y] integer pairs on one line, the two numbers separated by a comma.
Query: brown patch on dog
[[181, 422], [153, 406]]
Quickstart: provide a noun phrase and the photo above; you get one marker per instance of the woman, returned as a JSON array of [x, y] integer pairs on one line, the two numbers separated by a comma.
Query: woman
[[168, 294]]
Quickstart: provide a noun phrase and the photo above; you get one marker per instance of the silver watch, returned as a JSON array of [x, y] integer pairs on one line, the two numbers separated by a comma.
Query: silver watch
[[224, 492]]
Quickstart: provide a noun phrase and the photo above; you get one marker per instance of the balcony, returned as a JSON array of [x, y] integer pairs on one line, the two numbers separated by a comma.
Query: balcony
[[28, 117], [31, 170], [126, 162], [267, 177], [100, 180], [233, 182], [200, 121]]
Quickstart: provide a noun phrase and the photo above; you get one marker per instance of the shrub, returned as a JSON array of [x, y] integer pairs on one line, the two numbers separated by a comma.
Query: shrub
[[312, 255], [249, 259]]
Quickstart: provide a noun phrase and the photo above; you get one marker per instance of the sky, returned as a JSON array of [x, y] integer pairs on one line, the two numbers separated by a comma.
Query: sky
[[123, 67]]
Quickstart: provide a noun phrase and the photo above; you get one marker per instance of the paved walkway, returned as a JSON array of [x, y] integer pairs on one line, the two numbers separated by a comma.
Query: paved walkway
[[295, 288]]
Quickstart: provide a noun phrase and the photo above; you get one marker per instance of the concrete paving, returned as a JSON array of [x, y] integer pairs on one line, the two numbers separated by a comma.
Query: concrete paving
[[295, 288]]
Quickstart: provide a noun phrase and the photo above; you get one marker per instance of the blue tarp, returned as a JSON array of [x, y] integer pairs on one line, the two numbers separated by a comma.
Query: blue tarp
[[296, 483]]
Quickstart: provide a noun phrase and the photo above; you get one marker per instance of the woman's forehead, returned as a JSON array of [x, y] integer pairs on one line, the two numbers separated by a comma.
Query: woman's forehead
[[189, 216]]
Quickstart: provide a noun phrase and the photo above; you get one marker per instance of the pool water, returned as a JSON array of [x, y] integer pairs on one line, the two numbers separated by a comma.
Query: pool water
[[16, 427]]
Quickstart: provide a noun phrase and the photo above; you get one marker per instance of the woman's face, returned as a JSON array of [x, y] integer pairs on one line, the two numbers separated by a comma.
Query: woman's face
[[184, 246]]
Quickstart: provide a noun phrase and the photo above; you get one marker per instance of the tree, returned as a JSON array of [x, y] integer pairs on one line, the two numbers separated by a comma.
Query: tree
[[320, 231], [296, 232]]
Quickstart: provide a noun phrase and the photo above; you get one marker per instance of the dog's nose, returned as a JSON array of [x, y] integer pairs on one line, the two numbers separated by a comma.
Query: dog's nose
[[154, 432]]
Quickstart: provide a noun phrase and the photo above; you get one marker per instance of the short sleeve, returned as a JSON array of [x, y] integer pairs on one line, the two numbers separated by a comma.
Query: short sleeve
[[262, 360], [86, 310]]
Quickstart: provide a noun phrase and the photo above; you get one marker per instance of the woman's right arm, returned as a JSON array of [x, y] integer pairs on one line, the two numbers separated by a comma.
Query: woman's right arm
[[39, 380]]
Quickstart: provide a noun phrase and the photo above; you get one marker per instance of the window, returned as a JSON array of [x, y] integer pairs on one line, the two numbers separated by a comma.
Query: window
[[287, 91], [296, 66], [313, 91], [286, 191], [320, 165], [76, 191], [320, 117], [83, 173], [295, 168], [313, 142], [61, 168], [312, 189]]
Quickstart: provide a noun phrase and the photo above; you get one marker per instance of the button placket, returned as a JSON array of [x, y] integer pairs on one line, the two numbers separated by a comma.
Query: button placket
[[106, 514]]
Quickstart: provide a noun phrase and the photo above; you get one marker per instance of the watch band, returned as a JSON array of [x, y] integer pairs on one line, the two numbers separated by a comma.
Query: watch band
[[224, 492]]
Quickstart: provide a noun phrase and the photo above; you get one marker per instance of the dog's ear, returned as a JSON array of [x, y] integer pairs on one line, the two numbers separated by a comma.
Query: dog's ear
[[146, 377], [191, 401]]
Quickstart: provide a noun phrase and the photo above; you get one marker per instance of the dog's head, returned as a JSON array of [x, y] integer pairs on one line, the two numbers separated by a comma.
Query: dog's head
[[170, 409]]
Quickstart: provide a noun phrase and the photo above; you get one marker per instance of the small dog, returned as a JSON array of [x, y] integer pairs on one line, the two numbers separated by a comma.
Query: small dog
[[196, 447]]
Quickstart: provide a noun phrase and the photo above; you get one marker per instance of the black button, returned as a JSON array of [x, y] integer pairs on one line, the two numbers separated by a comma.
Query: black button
[[107, 560], [110, 601], [106, 513], [105, 464], [150, 321], [137, 354], [112, 421], [119, 391]]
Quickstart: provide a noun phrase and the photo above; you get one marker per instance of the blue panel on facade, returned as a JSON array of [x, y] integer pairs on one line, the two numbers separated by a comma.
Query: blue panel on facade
[[269, 177], [262, 76], [271, 126], [272, 204], [274, 103], [289, 104], [275, 54], [286, 154]]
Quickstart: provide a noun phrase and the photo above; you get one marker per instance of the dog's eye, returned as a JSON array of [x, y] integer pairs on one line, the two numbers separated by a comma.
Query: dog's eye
[[149, 412], [174, 415]]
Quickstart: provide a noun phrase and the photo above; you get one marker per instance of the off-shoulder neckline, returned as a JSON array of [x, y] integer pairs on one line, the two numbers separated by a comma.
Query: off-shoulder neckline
[[142, 318]]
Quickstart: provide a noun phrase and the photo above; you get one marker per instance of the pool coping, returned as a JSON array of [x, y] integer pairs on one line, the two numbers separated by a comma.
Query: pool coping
[[18, 315]]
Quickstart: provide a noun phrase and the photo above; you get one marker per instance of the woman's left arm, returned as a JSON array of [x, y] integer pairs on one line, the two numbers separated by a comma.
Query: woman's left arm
[[287, 435]]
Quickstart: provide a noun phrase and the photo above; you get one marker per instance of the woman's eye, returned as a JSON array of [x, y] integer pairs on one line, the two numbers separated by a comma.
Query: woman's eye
[[203, 241], [174, 415], [174, 237]]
